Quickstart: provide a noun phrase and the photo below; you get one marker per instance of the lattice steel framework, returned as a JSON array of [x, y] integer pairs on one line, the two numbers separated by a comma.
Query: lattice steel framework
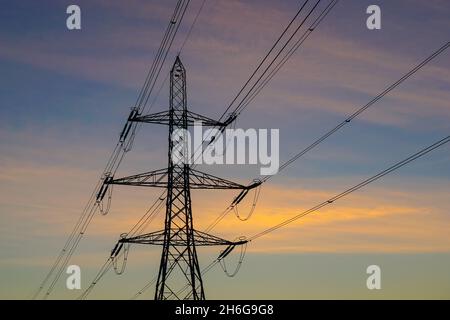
[[179, 266]]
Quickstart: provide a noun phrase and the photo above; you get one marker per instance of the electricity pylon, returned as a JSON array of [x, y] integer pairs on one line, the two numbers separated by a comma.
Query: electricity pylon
[[179, 266]]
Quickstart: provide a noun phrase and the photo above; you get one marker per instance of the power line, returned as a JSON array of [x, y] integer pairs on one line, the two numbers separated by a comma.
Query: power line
[[345, 122], [139, 226], [147, 218], [192, 26], [103, 270], [351, 117], [156, 67], [278, 54], [145, 288], [264, 59], [360, 185], [259, 86], [289, 54], [383, 173], [176, 20], [251, 94], [363, 108]]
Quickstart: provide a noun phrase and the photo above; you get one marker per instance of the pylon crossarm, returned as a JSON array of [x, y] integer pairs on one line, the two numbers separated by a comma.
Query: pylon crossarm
[[192, 118], [202, 180], [179, 239], [158, 179], [206, 239], [156, 238], [157, 117]]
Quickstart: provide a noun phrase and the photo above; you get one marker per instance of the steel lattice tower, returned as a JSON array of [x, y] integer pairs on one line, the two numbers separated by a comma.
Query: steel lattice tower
[[179, 267]]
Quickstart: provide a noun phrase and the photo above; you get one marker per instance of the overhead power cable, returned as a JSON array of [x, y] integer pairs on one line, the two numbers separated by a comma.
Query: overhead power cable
[[265, 77], [265, 58], [281, 45], [363, 108], [157, 205], [136, 229], [116, 157], [345, 122], [252, 92], [103, 270], [285, 47], [331, 200], [273, 47], [360, 185], [145, 288], [191, 27]]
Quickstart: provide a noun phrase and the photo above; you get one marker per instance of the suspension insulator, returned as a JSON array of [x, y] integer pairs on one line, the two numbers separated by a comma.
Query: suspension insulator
[[239, 197], [230, 119], [119, 248], [116, 250], [126, 129], [256, 183], [244, 192], [226, 252], [113, 251]]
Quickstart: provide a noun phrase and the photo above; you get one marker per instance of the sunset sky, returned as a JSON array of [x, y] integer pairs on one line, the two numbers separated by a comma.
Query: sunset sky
[[65, 95]]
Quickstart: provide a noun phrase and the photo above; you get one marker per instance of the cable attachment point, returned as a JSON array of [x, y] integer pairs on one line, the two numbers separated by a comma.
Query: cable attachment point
[[223, 126], [234, 205], [239, 197], [105, 189], [231, 117], [226, 252], [245, 191], [117, 248], [115, 254], [105, 186], [242, 241]]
